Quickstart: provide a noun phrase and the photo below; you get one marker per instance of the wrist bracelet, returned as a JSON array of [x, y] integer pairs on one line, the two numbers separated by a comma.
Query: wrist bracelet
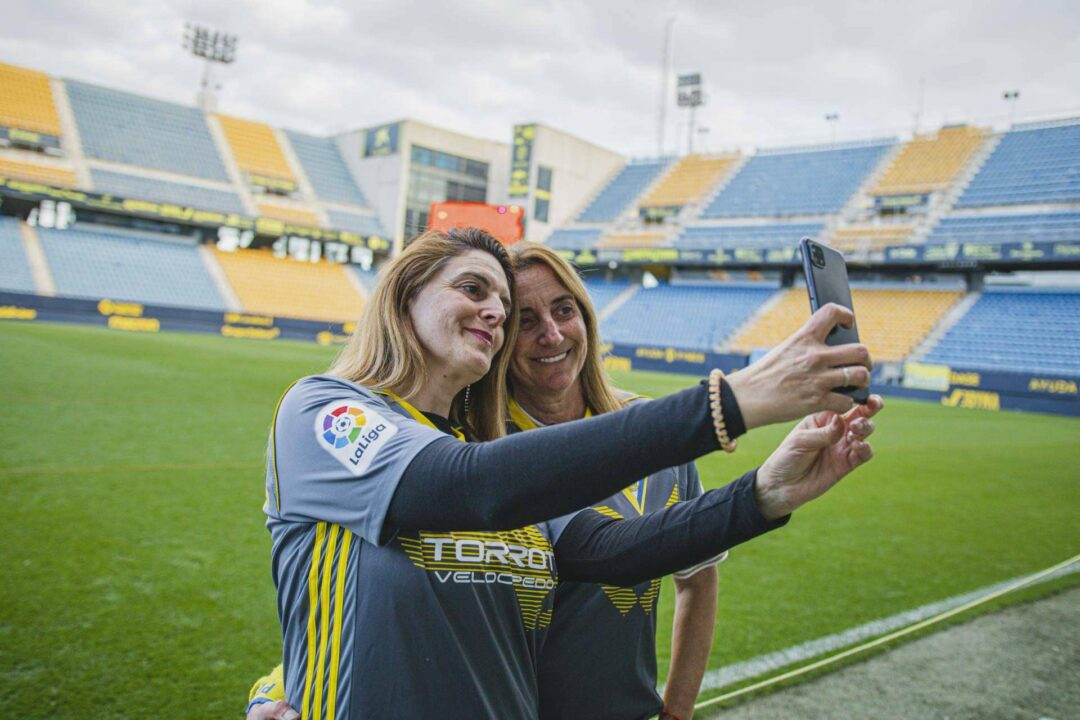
[[716, 408]]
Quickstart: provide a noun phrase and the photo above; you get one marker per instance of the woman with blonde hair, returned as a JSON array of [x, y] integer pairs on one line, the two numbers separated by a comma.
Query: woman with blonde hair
[[415, 572]]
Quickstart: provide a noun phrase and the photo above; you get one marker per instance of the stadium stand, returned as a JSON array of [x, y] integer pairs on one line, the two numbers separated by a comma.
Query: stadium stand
[[632, 239], [127, 265], [779, 235], [602, 293], [367, 278], [37, 172], [325, 168], [360, 224], [15, 271], [688, 181], [574, 238], [135, 130], [1036, 163], [27, 101], [931, 161], [869, 237], [255, 148], [297, 216], [144, 188], [696, 317], [802, 181], [891, 322], [1022, 330], [271, 286], [622, 189], [1028, 227]]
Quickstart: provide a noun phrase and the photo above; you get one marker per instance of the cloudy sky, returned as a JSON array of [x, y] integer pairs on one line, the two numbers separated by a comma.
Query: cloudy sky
[[772, 70]]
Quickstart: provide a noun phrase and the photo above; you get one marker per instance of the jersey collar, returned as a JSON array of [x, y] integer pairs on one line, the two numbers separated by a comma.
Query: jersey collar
[[416, 414]]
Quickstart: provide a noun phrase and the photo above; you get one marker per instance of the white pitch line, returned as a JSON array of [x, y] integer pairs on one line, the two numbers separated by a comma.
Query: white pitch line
[[764, 664]]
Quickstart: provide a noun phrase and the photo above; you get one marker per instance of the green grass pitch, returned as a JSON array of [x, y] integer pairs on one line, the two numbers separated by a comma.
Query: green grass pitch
[[135, 565]]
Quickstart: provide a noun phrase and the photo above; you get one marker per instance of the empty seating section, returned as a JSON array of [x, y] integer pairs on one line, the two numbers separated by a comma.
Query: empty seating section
[[368, 278], [574, 238], [360, 224], [813, 181], [163, 191], [297, 216], [325, 168], [780, 235], [1030, 227], [930, 162], [891, 322], [690, 179], [135, 130], [122, 266], [15, 271], [273, 286], [632, 239], [683, 316], [26, 101], [618, 193], [1036, 165], [870, 237], [37, 172], [255, 148], [1033, 331], [602, 293]]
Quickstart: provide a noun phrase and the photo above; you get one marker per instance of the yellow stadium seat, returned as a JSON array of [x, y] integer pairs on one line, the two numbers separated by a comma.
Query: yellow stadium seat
[[296, 216], [289, 288], [255, 148], [930, 162], [688, 181], [891, 322], [26, 100], [47, 174], [631, 240], [872, 237]]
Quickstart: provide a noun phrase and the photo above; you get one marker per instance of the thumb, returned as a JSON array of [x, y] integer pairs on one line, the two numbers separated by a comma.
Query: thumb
[[820, 437]]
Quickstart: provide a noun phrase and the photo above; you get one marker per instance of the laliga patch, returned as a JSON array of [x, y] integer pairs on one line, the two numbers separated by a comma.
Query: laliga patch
[[352, 433]]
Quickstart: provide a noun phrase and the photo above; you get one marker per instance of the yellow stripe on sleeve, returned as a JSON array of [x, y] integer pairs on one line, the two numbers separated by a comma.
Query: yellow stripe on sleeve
[[313, 603], [324, 619], [339, 599]]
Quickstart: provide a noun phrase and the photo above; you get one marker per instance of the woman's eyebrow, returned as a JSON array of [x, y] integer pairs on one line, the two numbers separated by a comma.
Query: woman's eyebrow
[[485, 280]]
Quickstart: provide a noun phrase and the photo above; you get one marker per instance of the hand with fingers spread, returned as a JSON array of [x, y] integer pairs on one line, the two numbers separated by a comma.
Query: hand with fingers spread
[[797, 377], [821, 450]]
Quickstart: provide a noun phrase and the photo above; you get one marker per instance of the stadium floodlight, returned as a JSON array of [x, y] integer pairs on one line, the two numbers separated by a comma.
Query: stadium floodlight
[[832, 119], [212, 46], [690, 95], [1011, 96]]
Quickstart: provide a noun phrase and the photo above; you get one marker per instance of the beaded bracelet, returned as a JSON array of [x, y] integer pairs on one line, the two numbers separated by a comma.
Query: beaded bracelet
[[716, 407]]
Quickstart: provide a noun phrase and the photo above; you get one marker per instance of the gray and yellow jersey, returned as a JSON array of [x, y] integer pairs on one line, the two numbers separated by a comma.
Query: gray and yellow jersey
[[599, 657], [380, 623]]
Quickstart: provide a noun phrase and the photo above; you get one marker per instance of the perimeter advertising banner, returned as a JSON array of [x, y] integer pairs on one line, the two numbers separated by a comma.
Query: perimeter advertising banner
[[985, 253], [973, 388]]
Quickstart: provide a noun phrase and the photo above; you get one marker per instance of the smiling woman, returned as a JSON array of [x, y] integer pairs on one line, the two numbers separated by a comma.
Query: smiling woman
[[416, 573]]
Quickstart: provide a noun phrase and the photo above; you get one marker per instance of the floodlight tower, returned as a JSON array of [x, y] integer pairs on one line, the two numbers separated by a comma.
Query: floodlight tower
[[214, 47], [690, 96], [1011, 96]]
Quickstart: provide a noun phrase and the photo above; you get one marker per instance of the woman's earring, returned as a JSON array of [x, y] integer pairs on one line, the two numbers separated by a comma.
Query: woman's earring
[[467, 389]]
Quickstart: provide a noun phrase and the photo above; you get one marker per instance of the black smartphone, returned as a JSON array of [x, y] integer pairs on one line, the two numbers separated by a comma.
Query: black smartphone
[[827, 281]]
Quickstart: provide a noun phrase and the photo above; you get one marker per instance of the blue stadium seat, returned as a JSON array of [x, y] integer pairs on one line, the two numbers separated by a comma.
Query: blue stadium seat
[[622, 189], [602, 293], [325, 168], [805, 181], [360, 224], [697, 317], [1031, 164], [368, 278], [136, 130], [779, 235], [1029, 227], [574, 238], [126, 265], [141, 188], [1024, 331], [14, 269]]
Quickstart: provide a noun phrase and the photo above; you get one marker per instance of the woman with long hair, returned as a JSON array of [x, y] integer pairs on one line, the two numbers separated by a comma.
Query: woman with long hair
[[415, 573]]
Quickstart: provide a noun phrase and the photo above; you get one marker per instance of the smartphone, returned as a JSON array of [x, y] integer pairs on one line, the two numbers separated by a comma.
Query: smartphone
[[827, 281]]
